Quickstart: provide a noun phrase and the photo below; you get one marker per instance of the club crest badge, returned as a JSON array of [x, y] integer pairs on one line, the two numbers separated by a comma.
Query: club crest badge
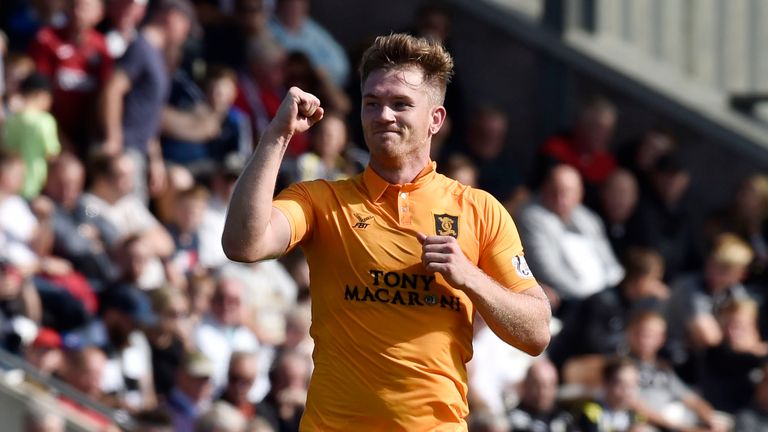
[[447, 225], [521, 266]]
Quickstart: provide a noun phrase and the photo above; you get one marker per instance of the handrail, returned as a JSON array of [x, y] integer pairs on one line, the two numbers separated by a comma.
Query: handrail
[[9, 361]]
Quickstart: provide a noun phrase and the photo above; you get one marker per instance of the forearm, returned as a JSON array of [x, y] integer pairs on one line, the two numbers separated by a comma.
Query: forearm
[[250, 206], [112, 114], [519, 319], [188, 126]]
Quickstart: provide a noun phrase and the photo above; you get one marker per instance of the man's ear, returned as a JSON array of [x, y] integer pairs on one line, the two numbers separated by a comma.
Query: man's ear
[[438, 118]]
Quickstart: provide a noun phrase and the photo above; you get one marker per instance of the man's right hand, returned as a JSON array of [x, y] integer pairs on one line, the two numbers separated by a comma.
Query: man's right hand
[[298, 112]]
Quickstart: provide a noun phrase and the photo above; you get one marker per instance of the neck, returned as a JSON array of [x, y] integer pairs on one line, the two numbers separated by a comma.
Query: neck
[[154, 36], [402, 173]]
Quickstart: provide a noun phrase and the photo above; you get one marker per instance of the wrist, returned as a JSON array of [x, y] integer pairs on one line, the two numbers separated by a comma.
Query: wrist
[[276, 138]]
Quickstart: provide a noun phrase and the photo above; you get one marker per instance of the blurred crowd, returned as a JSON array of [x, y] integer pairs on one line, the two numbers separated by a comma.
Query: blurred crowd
[[124, 125]]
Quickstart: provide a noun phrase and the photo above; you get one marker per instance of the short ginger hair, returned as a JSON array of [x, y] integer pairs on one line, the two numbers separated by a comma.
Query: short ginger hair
[[401, 51]]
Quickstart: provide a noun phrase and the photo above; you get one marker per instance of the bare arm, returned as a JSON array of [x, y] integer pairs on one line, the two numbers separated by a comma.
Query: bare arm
[[254, 230], [519, 319], [111, 111], [198, 125], [704, 332]]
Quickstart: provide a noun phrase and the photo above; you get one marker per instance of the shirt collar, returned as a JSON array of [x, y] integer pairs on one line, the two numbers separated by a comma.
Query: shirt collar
[[376, 186]]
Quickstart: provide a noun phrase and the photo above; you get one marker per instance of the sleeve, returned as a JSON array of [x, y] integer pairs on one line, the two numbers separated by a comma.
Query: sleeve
[[132, 62], [295, 202], [50, 136], [501, 251]]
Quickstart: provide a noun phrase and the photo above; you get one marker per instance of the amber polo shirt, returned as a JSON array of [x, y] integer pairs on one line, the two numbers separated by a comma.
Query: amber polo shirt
[[391, 339]]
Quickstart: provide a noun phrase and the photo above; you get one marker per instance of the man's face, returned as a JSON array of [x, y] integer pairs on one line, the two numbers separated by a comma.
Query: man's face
[[398, 116], [620, 392], [541, 387], [242, 374], [647, 337], [227, 303]]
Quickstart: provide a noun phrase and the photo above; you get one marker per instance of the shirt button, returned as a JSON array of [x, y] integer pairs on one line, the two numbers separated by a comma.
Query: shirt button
[[403, 195]]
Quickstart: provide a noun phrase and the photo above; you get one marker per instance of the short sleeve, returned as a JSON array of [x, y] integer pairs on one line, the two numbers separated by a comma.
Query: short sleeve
[[295, 202], [501, 251], [132, 62]]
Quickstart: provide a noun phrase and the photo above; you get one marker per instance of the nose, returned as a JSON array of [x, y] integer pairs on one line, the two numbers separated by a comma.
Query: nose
[[383, 114]]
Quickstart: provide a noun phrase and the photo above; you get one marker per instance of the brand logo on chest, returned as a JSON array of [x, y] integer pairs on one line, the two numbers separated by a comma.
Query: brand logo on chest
[[362, 221]]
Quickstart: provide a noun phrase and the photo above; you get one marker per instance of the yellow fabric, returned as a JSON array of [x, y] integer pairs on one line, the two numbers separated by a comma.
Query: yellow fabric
[[392, 340]]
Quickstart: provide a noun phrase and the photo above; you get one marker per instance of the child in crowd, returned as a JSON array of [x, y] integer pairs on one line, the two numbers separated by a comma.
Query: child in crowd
[[235, 131], [31, 133]]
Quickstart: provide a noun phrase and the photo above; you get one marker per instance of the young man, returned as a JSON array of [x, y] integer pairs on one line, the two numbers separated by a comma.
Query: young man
[[400, 256]]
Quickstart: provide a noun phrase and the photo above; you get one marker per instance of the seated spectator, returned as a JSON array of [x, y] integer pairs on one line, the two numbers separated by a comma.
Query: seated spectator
[[223, 332], [614, 410], [288, 396], [618, 198], [110, 195], [31, 133], [728, 368], [461, 169], [586, 147], [746, 215], [84, 238], [663, 398], [242, 374], [20, 309], [300, 72], [326, 159], [184, 229], [45, 353], [221, 417], [538, 410], [297, 322], [169, 338], [641, 155], [212, 228], [293, 28], [19, 228], [193, 393], [75, 58], [754, 418], [695, 299], [485, 145], [568, 249], [234, 127], [663, 219], [597, 324], [83, 369]]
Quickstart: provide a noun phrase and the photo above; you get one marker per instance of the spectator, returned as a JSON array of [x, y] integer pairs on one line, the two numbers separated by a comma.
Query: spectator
[[641, 155], [20, 233], [20, 309], [586, 147], [293, 28], [746, 215], [663, 219], [326, 160], [300, 72], [755, 417], [110, 195], [227, 33], [614, 411], [297, 339], [618, 198], [461, 169], [728, 368], [288, 396], [84, 238], [17, 68], [663, 398], [75, 59], [234, 127], [221, 417], [45, 353], [31, 133], [597, 324], [136, 92], [567, 244], [222, 182], [84, 370], [223, 332], [243, 371], [193, 393], [123, 18], [169, 338], [695, 299], [486, 146], [184, 229], [538, 410]]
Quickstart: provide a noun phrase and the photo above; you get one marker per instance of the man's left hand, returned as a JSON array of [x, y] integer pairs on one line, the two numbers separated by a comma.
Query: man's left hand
[[442, 254]]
